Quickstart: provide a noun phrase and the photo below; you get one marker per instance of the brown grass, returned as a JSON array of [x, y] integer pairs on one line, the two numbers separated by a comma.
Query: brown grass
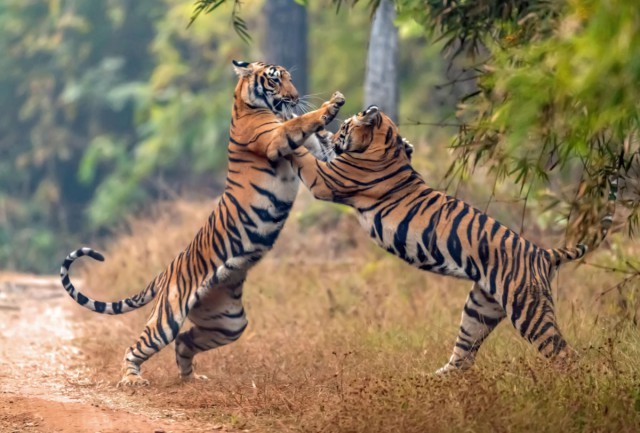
[[344, 337]]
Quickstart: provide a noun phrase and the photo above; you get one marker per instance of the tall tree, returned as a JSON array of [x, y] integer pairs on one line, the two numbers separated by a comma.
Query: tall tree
[[285, 41], [381, 79]]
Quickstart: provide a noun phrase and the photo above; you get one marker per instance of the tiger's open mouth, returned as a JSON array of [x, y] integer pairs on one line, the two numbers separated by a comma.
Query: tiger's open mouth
[[286, 108], [280, 103], [339, 144]]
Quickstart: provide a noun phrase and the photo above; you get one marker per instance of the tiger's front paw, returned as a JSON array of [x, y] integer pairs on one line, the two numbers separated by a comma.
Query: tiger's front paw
[[332, 107], [337, 99], [132, 380]]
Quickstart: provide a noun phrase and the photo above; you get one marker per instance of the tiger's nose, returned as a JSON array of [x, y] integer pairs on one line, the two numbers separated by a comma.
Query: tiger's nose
[[295, 98]]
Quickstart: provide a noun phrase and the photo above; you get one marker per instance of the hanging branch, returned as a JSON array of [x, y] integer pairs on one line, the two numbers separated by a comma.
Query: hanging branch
[[208, 6], [205, 6]]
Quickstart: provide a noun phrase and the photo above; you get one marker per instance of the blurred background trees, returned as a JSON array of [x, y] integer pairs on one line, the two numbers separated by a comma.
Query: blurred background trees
[[285, 39], [558, 96], [381, 77], [108, 106]]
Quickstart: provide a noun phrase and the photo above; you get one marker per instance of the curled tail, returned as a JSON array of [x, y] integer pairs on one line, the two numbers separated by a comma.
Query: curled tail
[[558, 256], [118, 307]]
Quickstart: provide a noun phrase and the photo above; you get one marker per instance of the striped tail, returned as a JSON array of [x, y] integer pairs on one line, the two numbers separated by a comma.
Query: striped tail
[[607, 219], [558, 256], [119, 307], [564, 255]]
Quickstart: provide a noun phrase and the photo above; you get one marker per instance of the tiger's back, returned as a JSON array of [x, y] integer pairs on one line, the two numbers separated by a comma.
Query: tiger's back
[[441, 234]]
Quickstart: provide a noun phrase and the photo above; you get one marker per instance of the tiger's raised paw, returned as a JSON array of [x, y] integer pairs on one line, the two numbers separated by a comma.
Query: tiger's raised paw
[[333, 107], [337, 99], [132, 380]]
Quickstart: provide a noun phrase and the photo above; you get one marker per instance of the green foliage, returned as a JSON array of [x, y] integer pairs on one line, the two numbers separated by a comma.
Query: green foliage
[[208, 6], [557, 91], [59, 61], [467, 25], [112, 101]]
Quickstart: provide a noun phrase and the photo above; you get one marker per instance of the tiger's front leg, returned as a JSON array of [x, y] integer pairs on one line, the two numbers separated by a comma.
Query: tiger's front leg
[[292, 133]]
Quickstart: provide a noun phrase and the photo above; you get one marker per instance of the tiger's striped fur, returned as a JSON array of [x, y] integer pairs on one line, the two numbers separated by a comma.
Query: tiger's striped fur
[[435, 232], [205, 281]]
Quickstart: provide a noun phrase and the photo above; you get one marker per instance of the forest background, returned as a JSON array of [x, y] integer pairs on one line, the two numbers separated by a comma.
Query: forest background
[[113, 134], [110, 106]]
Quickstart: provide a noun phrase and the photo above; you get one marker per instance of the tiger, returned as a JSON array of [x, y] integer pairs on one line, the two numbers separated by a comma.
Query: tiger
[[372, 173], [205, 281]]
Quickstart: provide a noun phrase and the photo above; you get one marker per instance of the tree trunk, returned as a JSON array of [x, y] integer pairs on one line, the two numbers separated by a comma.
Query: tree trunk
[[381, 80], [285, 41]]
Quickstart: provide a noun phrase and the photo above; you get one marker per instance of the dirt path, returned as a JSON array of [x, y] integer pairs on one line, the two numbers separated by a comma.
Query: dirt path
[[41, 371]]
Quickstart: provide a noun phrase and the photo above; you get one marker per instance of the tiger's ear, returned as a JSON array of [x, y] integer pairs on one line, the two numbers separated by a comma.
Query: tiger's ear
[[370, 115], [242, 69], [408, 147]]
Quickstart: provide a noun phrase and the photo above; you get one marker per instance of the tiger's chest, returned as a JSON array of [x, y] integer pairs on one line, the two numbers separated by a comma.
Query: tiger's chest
[[273, 194], [285, 182], [254, 215]]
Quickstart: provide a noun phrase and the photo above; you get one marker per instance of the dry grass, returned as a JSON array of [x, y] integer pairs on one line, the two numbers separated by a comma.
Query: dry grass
[[343, 338]]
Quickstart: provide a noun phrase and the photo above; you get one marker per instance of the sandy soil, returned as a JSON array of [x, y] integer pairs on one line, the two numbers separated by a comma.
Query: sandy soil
[[43, 387]]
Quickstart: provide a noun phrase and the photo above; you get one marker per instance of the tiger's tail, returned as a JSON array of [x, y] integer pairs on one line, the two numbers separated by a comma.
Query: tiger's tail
[[118, 307], [607, 220], [563, 255], [559, 256]]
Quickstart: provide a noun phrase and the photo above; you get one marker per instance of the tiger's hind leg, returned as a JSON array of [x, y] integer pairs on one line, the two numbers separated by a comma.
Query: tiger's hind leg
[[161, 329], [531, 311], [218, 319], [480, 315]]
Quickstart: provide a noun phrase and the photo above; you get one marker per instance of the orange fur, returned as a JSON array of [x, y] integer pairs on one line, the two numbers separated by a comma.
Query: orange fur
[[435, 232], [205, 281]]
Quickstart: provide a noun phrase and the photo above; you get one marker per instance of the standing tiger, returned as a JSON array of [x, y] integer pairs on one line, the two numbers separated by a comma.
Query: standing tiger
[[438, 233], [204, 282]]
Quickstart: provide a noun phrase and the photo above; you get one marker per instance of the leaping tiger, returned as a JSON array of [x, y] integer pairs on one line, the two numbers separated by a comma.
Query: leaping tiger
[[205, 281], [435, 232]]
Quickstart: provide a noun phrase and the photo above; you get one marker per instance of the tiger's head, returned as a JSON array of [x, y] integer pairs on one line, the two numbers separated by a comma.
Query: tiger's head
[[374, 133], [266, 86]]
